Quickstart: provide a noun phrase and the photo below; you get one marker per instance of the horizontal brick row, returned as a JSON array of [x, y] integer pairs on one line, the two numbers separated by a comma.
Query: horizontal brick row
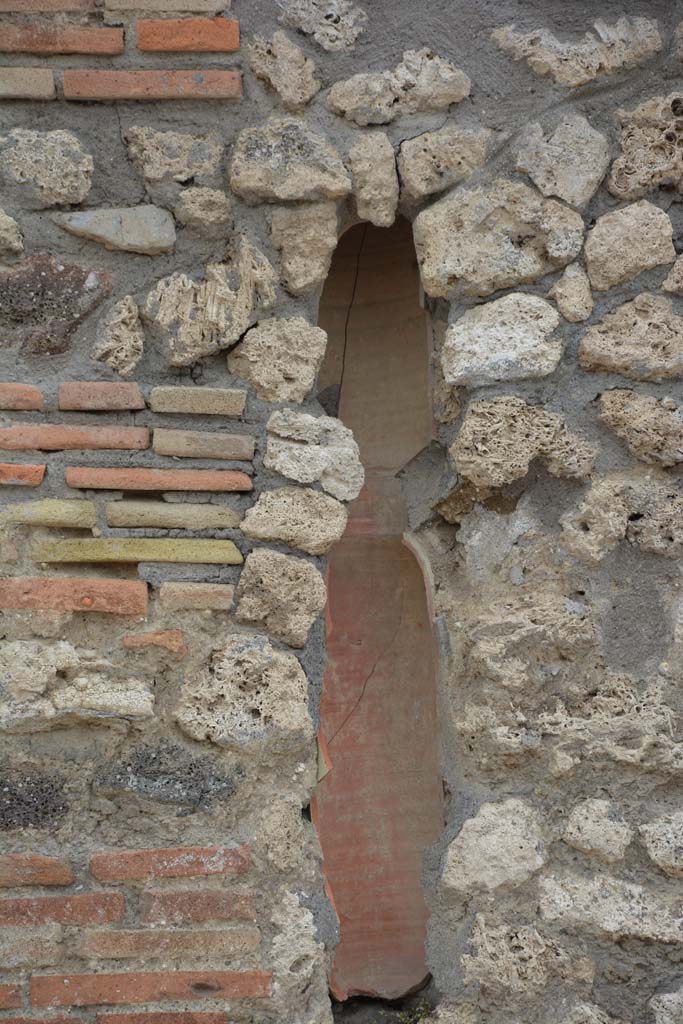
[[101, 396], [195, 906], [180, 862], [45, 40], [146, 986], [56, 437], [79, 909], [92, 478], [10, 997], [188, 35], [158, 943], [20, 396], [137, 549], [182, 35], [172, 640], [21, 476], [115, 597], [116, 86], [18, 869], [94, 396], [159, 1017]]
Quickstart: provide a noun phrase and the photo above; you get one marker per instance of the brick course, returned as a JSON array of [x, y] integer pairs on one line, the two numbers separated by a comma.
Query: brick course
[[95, 396], [86, 908], [157, 479], [13, 475], [19, 396], [54, 437], [118, 597], [112, 86], [10, 997], [33, 869], [157, 943], [196, 906], [147, 986], [27, 84], [187, 35], [179, 862], [73, 39]]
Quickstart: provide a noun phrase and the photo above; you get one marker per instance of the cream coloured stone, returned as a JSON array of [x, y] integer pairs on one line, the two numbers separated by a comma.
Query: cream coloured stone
[[651, 427], [286, 69], [281, 594], [641, 339], [249, 697], [333, 24], [96, 696], [375, 182], [169, 160], [120, 338], [501, 846], [11, 240], [45, 168], [146, 229], [568, 163], [194, 319], [627, 42], [572, 294], [437, 160], [306, 236], [651, 152], [207, 210], [313, 449], [171, 515], [663, 840], [627, 242], [28, 668], [667, 1007], [504, 340], [479, 239], [596, 827], [589, 1013], [299, 964], [673, 282], [297, 516], [284, 160], [280, 357]]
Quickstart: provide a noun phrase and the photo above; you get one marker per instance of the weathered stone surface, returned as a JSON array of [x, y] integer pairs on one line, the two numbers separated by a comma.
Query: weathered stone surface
[[596, 827], [642, 339], [120, 338], [569, 162], [172, 515], [313, 449], [650, 148], [504, 340], [297, 516], [333, 24], [145, 229], [194, 319], [45, 168], [280, 594], [300, 962], [73, 514], [286, 69], [11, 240], [627, 42], [610, 907], [422, 81], [501, 437], [501, 846], [435, 161], [280, 357], [285, 160], [667, 1007], [673, 282], [476, 240], [375, 182], [306, 236], [651, 427], [207, 210], [572, 294], [196, 596], [44, 299], [169, 160], [663, 840], [627, 242], [250, 697]]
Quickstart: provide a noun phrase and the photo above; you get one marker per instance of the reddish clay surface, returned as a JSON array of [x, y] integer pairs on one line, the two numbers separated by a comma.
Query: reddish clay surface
[[379, 807]]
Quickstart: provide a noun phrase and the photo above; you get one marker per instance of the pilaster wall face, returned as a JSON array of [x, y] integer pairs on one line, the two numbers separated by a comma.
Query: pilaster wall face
[[174, 177]]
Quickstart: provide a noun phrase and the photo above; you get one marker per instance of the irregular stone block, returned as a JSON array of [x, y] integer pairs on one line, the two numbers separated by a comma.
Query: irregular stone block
[[667, 1007], [169, 160], [306, 236], [286, 69], [641, 339], [673, 282], [168, 774], [11, 239], [334, 24], [651, 427], [570, 163], [280, 358], [435, 161], [572, 294], [375, 182], [196, 596], [315, 448], [200, 444], [45, 168], [296, 516], [207, 210], [145, 229], [30, 798], [74, 514], [627, 242], [596, 827], [281, 594], [120, 338], [167, 515], [663, 840], [198, 401], [650, 150], [137, 549]]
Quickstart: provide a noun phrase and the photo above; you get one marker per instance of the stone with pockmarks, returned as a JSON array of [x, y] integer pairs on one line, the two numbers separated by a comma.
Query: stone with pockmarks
[[375, 182], [285, 68], [626, 243], [641, 339], [333, 24], [281, 594], [435, 161], [208, 211], [569, 162], [280, 358], [663, 840], [651, 427], [306, 236], [313, 449], [595, 827], [45, 168], [169, 160], [297, 516], [120, 339]]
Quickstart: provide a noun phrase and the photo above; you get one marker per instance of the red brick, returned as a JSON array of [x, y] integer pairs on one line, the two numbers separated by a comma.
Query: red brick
[[40, 6], [71, 39], [110, 86], [147, 986], [95, 396], [55, 437], [172, 639], [203, 947], [10, 997], [19, 396], [27, 84], [189, 35], [178, 862], [196, 906], [116, 597], [93, 478], [21, 476], [186, 1017], [41, 1020], [33, 869], [85, 908]]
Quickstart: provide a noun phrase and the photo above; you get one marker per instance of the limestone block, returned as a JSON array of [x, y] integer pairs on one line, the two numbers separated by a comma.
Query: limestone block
[[171, 515], [285, 160], [74, 514], [137, 549], [45, 168], [651, 427], [306, 236], [280, 357], [479, 239], [145, 229], [667, 1007], [504, 340], [673, 282], [30, 667], [286, 69], [250, 697], [627, 242], [663, 840], [313, 449], [120, 338], [375, 182], [281, 594], [198, 401], [501, 846], [333, 24], [437, 160], [596, 827], [650, 148], [207, 210], [572, 294], [568, 163], [297, 516], [641, 339], [299, 964], [169, 160], [11, 240]]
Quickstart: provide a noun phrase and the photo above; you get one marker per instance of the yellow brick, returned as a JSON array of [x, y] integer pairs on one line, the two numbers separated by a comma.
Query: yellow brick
[[198, 401], [132, 549], [51, 512], [172, 515]]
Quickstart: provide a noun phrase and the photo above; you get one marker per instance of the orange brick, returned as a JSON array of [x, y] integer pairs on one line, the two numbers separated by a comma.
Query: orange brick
[[147, 986], [95, 396], [40, 1020], [178, 862], [159, 1017], [189, 35], [72, 39], [172, 639], [21, 476], [116, 597], [19, 396], [10, 997], [110, 86], [55, 437], [27, 84], [92, 478], [196, 906], [33, 869], [85, 908]]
